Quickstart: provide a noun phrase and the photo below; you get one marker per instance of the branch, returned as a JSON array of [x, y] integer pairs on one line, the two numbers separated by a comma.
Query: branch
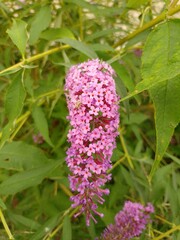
[[150, 24], [34, 58], [166, 234]]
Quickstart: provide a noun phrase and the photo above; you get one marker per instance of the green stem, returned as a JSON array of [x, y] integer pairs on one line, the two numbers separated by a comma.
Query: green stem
[[116, 164], [34, 58], [66, 190], [81, 24], [150, 24], [53, 92], [18, 128], [61, 225], [5, 225], [164, 220], [164, 235], [125, 150], [173, 4]]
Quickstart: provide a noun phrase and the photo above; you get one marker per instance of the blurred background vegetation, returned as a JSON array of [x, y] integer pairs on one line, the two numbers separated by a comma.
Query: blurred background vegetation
[[39, 41]]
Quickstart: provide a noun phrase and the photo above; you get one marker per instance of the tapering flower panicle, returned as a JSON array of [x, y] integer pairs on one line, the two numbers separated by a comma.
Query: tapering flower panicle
[[94, 118], [129, 223]]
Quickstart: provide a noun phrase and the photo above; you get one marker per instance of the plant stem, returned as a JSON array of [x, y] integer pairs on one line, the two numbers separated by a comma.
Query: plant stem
[[81, 23], [116, 164], [22, 117], [164, 220], [66, 190], [53, 92], [19, 127], [173, 4], [150, 24], [125, 150], [61, 225], [34, 58], [162, 236], [5, 225]]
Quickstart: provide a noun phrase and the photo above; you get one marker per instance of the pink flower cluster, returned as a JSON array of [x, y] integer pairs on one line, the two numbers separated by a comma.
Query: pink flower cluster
[[129, 223], [93, 114]]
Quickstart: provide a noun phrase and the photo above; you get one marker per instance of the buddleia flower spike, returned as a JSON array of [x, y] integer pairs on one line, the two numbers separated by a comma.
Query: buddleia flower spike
[[93, 114]]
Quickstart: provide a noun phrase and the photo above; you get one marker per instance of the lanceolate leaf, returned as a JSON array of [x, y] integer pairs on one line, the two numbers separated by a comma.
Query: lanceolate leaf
[[2, 205], [57, 33], [40, 22], [6, 132], [136, 4], [15, 97], [18, 35], [67, 231], [161, 57], [29, 223], [160, 72], [49, 225], [26, 179], [97, 9], [41, 123], [120, 85], [21, 156], [166, 98], [80, 46]]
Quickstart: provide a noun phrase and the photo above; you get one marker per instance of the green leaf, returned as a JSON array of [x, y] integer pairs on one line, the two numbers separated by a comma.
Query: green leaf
[[108, 215], [136, 4], [57, 33], [92, 230], [173, 198], [15, 97], [174, 158], [124, 75], [67, 230], [8, 72], [97, 9], [141, 37], [28, 84], [40, 22], [41, 123], [135, 118], [2, 205], [100, 47], [120, 87], [21, 156], [18, 35], [99, 34], [166, 98], [27, 222], [80, 46], [160, 180], [161, 56], [6, 132], [23, 180], [46, 228], [122, 92]]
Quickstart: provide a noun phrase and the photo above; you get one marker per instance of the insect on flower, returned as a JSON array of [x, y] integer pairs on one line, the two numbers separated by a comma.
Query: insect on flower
[[77, 104]]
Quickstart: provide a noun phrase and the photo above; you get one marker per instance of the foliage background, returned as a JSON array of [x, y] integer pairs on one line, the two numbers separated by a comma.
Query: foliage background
[[39, 41]]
